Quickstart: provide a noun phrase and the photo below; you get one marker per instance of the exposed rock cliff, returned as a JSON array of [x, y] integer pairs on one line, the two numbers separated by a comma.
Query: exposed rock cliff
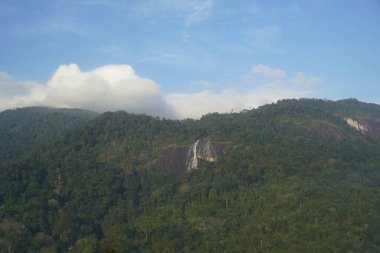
[[365, 126], [186, 158], [357, 125]]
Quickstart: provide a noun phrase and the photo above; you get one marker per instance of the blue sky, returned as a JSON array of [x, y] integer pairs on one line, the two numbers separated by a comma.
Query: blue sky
[[220, 55]]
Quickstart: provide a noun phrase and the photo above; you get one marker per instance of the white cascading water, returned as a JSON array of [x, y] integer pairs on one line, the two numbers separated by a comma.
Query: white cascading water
[[193, 162]]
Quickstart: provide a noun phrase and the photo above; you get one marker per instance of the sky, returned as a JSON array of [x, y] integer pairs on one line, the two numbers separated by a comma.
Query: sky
[[185, 58]]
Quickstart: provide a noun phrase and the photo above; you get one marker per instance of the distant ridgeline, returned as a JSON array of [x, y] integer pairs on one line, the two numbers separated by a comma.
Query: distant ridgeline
[[300, 175]]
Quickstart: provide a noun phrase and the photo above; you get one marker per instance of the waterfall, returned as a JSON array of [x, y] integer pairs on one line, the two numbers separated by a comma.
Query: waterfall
[[192, 156]]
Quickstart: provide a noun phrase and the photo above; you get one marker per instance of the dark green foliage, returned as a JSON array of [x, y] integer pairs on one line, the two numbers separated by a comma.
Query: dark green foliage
[[24, 129], [71, 181]]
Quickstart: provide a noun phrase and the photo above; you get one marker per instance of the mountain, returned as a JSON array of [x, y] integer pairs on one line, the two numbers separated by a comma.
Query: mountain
[[24, 128], [295, 176]]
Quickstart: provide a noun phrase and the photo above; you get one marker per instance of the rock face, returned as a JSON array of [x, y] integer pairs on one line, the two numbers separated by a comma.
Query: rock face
[[357, 125], [365, 126], [186, 158]]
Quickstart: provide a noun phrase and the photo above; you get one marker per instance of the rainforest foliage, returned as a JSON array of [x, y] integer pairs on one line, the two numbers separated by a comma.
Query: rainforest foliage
[[294, 178]]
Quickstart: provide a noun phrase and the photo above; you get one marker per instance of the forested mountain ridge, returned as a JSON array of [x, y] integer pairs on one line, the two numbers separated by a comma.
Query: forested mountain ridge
[[22, 129], [295, 176]]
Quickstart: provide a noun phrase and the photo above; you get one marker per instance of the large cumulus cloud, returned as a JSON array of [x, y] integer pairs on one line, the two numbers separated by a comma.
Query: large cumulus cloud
[[112, 87], [118, 87]]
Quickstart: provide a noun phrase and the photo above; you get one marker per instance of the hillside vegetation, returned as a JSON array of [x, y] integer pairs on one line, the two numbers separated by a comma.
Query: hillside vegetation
[[294, 177]]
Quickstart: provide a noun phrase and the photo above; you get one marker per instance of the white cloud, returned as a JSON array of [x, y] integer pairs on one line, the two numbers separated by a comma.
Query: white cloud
[[197, 104], [112, 87], [200, 12], [5, 77], [268, 72], [271, 86], [118, 87], [19, 94], [301, 79], [278, 76]]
